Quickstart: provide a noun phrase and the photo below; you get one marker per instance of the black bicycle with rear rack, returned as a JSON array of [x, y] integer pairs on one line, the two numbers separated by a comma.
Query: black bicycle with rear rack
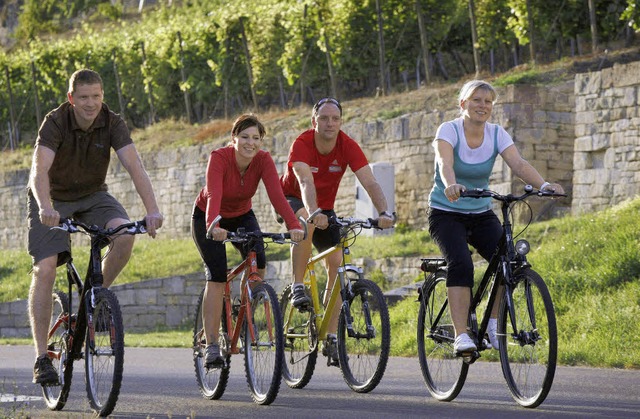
[[526, 330], [94, 331]]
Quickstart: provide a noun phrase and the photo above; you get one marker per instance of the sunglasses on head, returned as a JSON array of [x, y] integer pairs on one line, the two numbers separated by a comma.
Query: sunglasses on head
[[322, 101]]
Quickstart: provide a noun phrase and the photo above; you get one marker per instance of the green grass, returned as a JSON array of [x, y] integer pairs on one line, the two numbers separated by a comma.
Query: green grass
[[591, 264]]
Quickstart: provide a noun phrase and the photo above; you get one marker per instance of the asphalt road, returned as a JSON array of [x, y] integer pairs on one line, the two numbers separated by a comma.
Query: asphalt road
[[160, 383]]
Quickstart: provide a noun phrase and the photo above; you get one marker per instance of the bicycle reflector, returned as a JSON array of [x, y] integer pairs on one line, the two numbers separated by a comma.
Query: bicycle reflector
[[522, 247]]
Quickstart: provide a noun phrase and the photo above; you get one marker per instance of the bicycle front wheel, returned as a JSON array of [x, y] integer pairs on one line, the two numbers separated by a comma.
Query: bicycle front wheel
[[300, 343], [104, 352], [263, 355], [443, 372], [529, 352], [211, 382], [363, 354], [55, 396]]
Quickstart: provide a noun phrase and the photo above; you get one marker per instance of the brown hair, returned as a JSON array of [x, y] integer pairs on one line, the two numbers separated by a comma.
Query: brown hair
[[84, 76], [245, 121]]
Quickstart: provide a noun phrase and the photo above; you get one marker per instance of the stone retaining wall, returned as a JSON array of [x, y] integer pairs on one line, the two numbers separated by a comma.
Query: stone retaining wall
[[539, 119]]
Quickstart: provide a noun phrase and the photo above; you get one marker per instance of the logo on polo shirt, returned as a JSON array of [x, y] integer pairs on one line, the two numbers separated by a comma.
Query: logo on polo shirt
[[335, 167]]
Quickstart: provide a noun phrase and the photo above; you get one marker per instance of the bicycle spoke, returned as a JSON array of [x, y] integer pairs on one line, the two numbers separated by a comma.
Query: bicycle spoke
[[443, 372], [104, 353], [264, 345], [528, 354]]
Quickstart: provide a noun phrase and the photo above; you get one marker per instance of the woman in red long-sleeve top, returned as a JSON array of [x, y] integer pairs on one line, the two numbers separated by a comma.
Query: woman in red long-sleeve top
[[233, 175]]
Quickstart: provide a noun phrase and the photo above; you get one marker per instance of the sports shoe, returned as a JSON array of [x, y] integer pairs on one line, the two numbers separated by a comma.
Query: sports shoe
[[44, 372], [464, 343], [492, 332], [212, 357], [330, 350], [299, 298]]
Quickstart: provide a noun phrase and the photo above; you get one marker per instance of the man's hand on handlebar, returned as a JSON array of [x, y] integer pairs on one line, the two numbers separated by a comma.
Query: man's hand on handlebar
[[153, 222], [554, 187], [49, 217], [386, 220]]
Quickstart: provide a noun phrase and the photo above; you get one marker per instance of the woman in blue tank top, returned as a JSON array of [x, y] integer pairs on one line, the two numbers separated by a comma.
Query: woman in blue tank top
[[466, 149]]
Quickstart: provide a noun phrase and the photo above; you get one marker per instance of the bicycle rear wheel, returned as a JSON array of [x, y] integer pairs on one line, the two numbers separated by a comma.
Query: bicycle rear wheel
[[443, 372], [300, 343], [211, 382], [363, 357], [528, 355], [56, 396], [263, 355], [104, 352]]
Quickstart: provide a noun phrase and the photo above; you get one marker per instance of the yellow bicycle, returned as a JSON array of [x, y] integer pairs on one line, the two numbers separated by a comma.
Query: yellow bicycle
[[363, 337]]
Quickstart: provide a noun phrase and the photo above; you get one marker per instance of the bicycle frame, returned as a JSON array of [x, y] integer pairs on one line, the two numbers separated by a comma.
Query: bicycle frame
[[322, 313], [93, 279], [249, 270]]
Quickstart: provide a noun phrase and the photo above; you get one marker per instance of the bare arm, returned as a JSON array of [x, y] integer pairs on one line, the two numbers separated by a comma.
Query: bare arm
[[444, 158], [371, 185], [308, 191], [40, 185], [130, 159], [525, 171]]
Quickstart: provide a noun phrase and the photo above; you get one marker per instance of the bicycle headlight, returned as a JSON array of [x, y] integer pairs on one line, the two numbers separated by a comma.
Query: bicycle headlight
[[522, 247]]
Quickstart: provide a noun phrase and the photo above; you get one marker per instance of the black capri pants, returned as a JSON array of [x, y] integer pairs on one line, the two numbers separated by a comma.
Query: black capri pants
[[213, 252], [454, 231]]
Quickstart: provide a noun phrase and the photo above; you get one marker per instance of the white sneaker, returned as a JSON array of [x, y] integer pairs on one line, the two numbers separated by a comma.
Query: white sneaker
[[464, 343], [492, 332]]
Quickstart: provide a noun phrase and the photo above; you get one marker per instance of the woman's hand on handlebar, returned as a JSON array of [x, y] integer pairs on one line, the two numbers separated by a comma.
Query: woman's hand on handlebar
[[296, 235], [217, 233], [452, 192]]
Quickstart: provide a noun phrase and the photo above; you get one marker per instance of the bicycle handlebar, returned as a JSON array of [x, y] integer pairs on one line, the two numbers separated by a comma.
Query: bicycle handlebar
[[352, 221], [528, 191], [240, 236], [73, 226]]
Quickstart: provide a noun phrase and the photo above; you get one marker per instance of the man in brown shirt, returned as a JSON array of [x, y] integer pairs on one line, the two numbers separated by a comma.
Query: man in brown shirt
[[67, 180]]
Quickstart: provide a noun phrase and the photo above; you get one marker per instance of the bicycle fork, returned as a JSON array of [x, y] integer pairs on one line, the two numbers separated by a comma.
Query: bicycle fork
[[346, 292]]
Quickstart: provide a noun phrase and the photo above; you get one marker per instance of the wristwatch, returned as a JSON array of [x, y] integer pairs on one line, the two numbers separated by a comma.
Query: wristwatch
[[386, 214]]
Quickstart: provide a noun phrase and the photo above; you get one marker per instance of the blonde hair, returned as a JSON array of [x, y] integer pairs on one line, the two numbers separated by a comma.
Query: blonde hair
[[471, 86]]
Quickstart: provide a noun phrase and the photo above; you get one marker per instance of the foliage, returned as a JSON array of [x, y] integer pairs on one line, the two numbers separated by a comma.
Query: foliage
[[197, 49]]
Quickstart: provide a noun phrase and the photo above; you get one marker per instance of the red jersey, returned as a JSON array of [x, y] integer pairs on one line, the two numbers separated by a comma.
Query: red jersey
[[327, 169], [227, 193]]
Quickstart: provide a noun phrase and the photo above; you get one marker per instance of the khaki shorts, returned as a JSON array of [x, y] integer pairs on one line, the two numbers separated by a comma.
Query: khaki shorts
[[96, 209]]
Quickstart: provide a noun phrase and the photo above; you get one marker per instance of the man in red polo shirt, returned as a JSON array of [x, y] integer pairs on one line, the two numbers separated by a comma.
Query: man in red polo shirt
[[318, 159]]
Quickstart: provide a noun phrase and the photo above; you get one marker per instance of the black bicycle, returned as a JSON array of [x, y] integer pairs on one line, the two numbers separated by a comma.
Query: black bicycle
[[527, 335], [94, 332]]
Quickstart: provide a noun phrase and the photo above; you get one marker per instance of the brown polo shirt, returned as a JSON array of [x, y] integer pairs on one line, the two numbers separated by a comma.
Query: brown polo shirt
[[82, 157]]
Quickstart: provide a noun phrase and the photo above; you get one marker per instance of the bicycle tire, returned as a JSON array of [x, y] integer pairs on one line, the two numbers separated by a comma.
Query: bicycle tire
[[529, 358], [104, 352], [300, 343], [56, 396], [264, 352], [443, 372], [363, 358], [211, 382]]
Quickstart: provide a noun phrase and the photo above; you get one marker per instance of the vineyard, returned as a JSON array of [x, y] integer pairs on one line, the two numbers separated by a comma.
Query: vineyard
[[203, 59]]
